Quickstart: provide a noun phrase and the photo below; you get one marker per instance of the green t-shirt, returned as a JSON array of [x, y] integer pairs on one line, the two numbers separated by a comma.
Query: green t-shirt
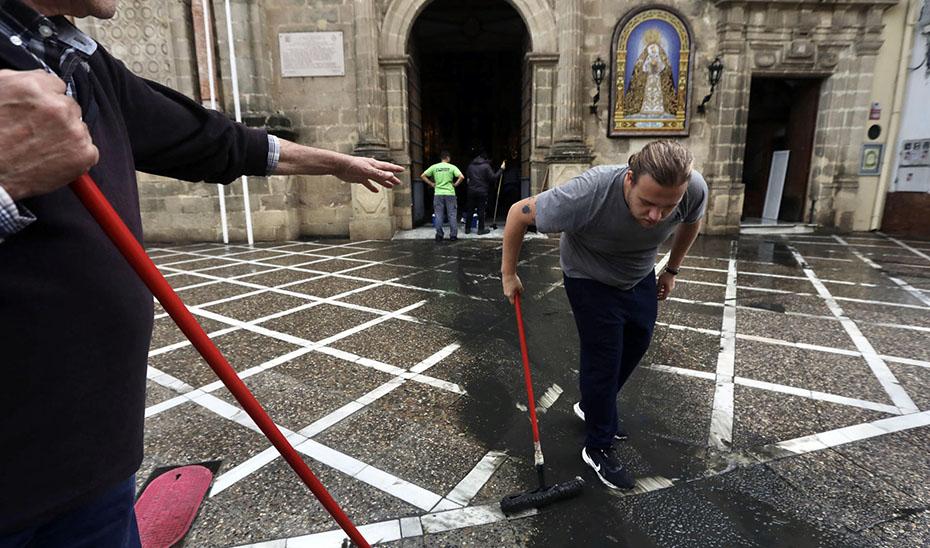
[[443, 175]]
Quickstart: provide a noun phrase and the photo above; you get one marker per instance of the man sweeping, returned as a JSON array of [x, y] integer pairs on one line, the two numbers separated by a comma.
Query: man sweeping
[[612, 220]]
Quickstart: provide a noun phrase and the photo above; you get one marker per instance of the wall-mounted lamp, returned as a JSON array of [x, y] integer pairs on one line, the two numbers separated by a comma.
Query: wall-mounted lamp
[[714, 72], [598, 70]]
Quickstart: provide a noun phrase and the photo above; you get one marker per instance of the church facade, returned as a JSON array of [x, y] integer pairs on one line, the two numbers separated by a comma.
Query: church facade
[[764, 93]]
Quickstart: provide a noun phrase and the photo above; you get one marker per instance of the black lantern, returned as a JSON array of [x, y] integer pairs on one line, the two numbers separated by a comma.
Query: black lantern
[[714, 72], [598, 70]]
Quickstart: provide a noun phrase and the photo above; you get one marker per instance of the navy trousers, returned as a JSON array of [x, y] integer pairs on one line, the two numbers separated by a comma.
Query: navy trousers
[[106, 522], [615, 328]]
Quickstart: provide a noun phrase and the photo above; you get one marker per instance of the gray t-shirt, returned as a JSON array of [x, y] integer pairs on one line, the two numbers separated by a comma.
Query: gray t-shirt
[[601, 240]]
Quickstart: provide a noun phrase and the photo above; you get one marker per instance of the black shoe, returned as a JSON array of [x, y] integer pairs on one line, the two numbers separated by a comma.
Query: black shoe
[[608, 468], [483, 232], [453, 238], [439, 237], [619, 435], [468, 232]]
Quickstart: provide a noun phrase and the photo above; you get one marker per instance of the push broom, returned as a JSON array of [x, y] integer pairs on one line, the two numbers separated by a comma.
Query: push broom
[[498, 199], [98, 206], [543, 495]]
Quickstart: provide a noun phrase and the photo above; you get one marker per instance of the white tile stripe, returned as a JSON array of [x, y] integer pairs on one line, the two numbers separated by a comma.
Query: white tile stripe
[[815, 395], [721, 421], [255, 463], [340, 274], [282, 290], [804, 294], [706, 375], [804, 346], [899, 282], [396, 529], [466, 489], [306, 346], [884, 375], [777, 276], [166, 380], [384, 522], [830, 318], [913, 250], [397, 487], [783, 389], [186, 343], [472, 516], [849, 434]]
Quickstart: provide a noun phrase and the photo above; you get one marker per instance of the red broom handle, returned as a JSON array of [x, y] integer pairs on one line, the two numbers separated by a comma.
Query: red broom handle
[[526, 370], [125, 241]]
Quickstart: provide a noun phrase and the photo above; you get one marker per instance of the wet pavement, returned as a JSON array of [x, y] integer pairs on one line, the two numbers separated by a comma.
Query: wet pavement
[[785, 399]]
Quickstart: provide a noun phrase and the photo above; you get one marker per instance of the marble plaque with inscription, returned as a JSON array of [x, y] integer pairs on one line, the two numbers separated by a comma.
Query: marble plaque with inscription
[[311, 54]]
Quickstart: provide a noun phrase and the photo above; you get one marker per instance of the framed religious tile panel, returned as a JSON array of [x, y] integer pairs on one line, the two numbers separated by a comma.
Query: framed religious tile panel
[[651, 71]]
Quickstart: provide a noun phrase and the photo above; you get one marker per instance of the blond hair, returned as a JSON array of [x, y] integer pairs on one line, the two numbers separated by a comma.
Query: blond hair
[[668, 162]]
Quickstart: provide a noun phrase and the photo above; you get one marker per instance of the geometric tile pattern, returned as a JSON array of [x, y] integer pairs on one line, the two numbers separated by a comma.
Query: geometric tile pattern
[[365, 355]]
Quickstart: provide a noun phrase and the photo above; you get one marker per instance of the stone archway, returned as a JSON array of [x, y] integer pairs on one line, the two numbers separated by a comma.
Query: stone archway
[[398, 22], [540, 75]]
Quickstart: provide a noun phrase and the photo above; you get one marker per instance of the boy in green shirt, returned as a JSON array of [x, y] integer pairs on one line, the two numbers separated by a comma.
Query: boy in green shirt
[[445, 177]]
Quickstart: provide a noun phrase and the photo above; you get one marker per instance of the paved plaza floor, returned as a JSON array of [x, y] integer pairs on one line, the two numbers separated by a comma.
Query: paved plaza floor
[[785, 400]]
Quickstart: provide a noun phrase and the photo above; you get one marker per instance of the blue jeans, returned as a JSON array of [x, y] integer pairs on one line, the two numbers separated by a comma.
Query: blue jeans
[[615, 328], [442, 204], [108, 521]]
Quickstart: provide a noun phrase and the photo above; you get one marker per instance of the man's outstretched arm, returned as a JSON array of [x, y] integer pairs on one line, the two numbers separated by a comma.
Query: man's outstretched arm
[[302, 160], [521, 215]]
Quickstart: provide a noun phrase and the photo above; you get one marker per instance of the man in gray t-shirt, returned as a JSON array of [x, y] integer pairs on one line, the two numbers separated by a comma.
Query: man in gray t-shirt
[[612, 220]]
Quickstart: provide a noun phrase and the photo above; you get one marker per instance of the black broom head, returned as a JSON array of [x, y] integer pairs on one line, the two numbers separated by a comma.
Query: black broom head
[[539, 498]]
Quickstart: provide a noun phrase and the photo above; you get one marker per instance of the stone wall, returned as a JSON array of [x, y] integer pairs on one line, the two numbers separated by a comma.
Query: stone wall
[[322, 110], [837, 42], [367, 111], [155, 39], [601, 17]]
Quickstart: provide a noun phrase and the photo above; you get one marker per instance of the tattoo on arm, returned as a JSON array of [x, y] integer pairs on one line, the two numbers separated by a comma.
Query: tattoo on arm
[[526, 209]]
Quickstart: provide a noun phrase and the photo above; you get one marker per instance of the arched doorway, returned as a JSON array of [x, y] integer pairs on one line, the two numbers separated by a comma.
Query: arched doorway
[[467, 91], [403, 77]]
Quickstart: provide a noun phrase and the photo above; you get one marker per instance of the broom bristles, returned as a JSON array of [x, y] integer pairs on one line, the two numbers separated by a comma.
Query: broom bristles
[[539, 498]]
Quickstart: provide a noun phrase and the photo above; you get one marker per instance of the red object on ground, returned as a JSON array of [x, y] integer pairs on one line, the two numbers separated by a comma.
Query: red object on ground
[[95, 202], [169, 505]]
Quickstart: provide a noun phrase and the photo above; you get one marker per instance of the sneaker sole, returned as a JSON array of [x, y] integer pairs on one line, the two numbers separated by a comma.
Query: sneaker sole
[[580, 414], [589, 462]]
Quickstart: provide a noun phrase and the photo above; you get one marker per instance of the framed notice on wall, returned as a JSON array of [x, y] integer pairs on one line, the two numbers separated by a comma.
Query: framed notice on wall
[[311, 54]]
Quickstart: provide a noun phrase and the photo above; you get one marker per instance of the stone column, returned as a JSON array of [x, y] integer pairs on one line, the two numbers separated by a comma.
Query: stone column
[[541, 71], [727, 115], [569, 155], [372, 214], [855, 116], [396, 75], [370, 95]]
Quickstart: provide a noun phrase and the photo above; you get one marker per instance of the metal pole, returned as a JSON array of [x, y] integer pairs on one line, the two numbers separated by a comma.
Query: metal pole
[[208, 41], [234, 76]]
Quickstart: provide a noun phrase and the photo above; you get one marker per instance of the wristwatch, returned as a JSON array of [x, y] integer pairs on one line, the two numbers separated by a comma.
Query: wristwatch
[[672, 271]]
